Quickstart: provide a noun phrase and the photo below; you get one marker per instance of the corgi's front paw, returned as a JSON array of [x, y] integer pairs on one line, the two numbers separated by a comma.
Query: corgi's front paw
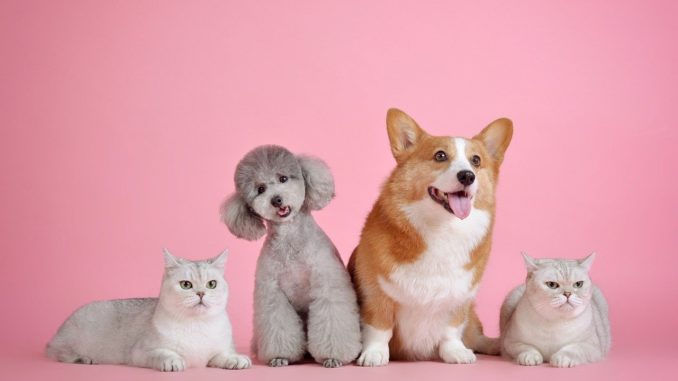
[[376, 355], [457, 355]]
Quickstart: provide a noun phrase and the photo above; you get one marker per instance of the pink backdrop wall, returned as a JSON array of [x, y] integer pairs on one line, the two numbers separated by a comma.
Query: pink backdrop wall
[[121, 124]]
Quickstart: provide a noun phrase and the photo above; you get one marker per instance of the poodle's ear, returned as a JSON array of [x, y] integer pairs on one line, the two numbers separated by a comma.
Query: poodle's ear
[[319, 182], [241, 221]]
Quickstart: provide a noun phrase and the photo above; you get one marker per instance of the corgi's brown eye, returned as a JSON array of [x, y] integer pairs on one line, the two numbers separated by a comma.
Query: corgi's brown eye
[[261, 189], [475, 160], [283, 179], [578, 284], [552, 285], [440, 156]]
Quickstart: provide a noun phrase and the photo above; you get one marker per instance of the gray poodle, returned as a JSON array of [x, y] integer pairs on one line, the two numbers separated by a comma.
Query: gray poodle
[[303, 297]]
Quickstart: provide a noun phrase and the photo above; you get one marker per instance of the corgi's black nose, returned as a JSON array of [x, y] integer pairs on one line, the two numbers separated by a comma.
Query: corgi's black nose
[[466, 177], [276, 201]]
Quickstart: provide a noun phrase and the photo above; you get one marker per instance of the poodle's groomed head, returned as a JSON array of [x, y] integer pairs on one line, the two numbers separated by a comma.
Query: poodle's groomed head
[[273, 184]]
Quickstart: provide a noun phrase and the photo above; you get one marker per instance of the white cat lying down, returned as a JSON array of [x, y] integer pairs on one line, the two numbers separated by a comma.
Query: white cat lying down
[[558, 315], [187, 326]]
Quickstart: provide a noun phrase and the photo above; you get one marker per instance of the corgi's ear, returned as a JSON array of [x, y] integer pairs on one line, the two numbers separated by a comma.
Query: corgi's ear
[[241, 220], [403, 132], [496, 137], [318, 180]]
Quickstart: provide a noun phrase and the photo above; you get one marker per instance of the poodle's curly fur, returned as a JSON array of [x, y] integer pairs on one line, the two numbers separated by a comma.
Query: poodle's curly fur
[[303, 299]]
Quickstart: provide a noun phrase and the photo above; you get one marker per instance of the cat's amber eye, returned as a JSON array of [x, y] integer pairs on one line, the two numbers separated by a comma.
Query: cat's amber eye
[[552, 285], [186, 285], [212, 284], [578, 284]]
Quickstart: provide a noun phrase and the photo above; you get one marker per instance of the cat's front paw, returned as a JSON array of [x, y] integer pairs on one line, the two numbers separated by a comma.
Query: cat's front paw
[[230, 361], [332, 363], [278, 362], [171, 364], [377, 355], [530, 358], [458, 355], [564, 360]]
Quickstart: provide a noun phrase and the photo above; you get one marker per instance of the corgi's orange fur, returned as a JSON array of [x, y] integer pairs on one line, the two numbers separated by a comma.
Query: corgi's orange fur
[[425, 245]]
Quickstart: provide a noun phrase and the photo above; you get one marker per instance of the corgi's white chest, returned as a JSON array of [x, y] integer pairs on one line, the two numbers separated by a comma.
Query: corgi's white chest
[[438, 276]]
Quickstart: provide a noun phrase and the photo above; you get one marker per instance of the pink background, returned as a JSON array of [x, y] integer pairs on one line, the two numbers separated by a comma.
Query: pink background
[[121, 124]]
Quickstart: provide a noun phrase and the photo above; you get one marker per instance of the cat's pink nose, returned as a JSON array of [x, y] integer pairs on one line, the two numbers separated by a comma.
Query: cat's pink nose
[[567, 294], [200, 294]]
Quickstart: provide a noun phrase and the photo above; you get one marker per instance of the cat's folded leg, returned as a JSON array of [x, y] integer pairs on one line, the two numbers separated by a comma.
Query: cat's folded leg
[[164, 360], [230, 360], [575, 354], [524, 354], [279, 330]]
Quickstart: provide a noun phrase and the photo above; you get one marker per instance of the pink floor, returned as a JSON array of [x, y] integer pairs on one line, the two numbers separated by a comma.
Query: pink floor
[[622, 364]]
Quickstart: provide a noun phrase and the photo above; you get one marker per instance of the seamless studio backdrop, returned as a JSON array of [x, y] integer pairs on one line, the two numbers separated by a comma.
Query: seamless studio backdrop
[[121, 124]]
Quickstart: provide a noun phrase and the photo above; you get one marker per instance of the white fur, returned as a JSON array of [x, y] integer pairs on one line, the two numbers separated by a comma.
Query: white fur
[[432, 288], [375, 346], [542, 324], [179, 329]]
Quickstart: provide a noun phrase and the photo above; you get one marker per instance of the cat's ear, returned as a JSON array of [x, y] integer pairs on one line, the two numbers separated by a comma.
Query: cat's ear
[[220, 260], [170, 260], [587, 262], [530, 263]]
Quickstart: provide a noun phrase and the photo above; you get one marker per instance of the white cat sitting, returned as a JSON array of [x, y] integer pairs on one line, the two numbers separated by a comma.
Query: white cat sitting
[[558, 315], [187, 326]]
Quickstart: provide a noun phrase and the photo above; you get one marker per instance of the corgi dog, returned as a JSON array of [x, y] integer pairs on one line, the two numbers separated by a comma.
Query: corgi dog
[[425, 244]]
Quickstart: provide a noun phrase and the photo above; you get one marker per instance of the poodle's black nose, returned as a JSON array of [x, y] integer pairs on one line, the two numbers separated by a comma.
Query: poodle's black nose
[[276, 201], [466, 177]]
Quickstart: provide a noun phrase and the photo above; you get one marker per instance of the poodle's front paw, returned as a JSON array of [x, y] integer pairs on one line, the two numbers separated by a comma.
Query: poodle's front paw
[[457, 355], [84, 360], [376, 355], [332, 363], [278, 362], [230, 361], [530, 358], [564, 360], [170, 363]]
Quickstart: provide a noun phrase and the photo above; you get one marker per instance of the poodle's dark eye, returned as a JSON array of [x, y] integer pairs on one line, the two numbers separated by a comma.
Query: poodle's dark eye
[[475, 160], [283, 179], [261, 189], [552, 285], [440, 156], [578, 284]]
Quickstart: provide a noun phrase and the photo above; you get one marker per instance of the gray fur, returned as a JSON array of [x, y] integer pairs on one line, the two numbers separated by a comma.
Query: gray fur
[[303, 297], [183, 327], [538, 323]]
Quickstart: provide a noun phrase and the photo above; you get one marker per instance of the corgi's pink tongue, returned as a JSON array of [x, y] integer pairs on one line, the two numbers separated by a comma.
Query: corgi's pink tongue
[[461, 206]]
